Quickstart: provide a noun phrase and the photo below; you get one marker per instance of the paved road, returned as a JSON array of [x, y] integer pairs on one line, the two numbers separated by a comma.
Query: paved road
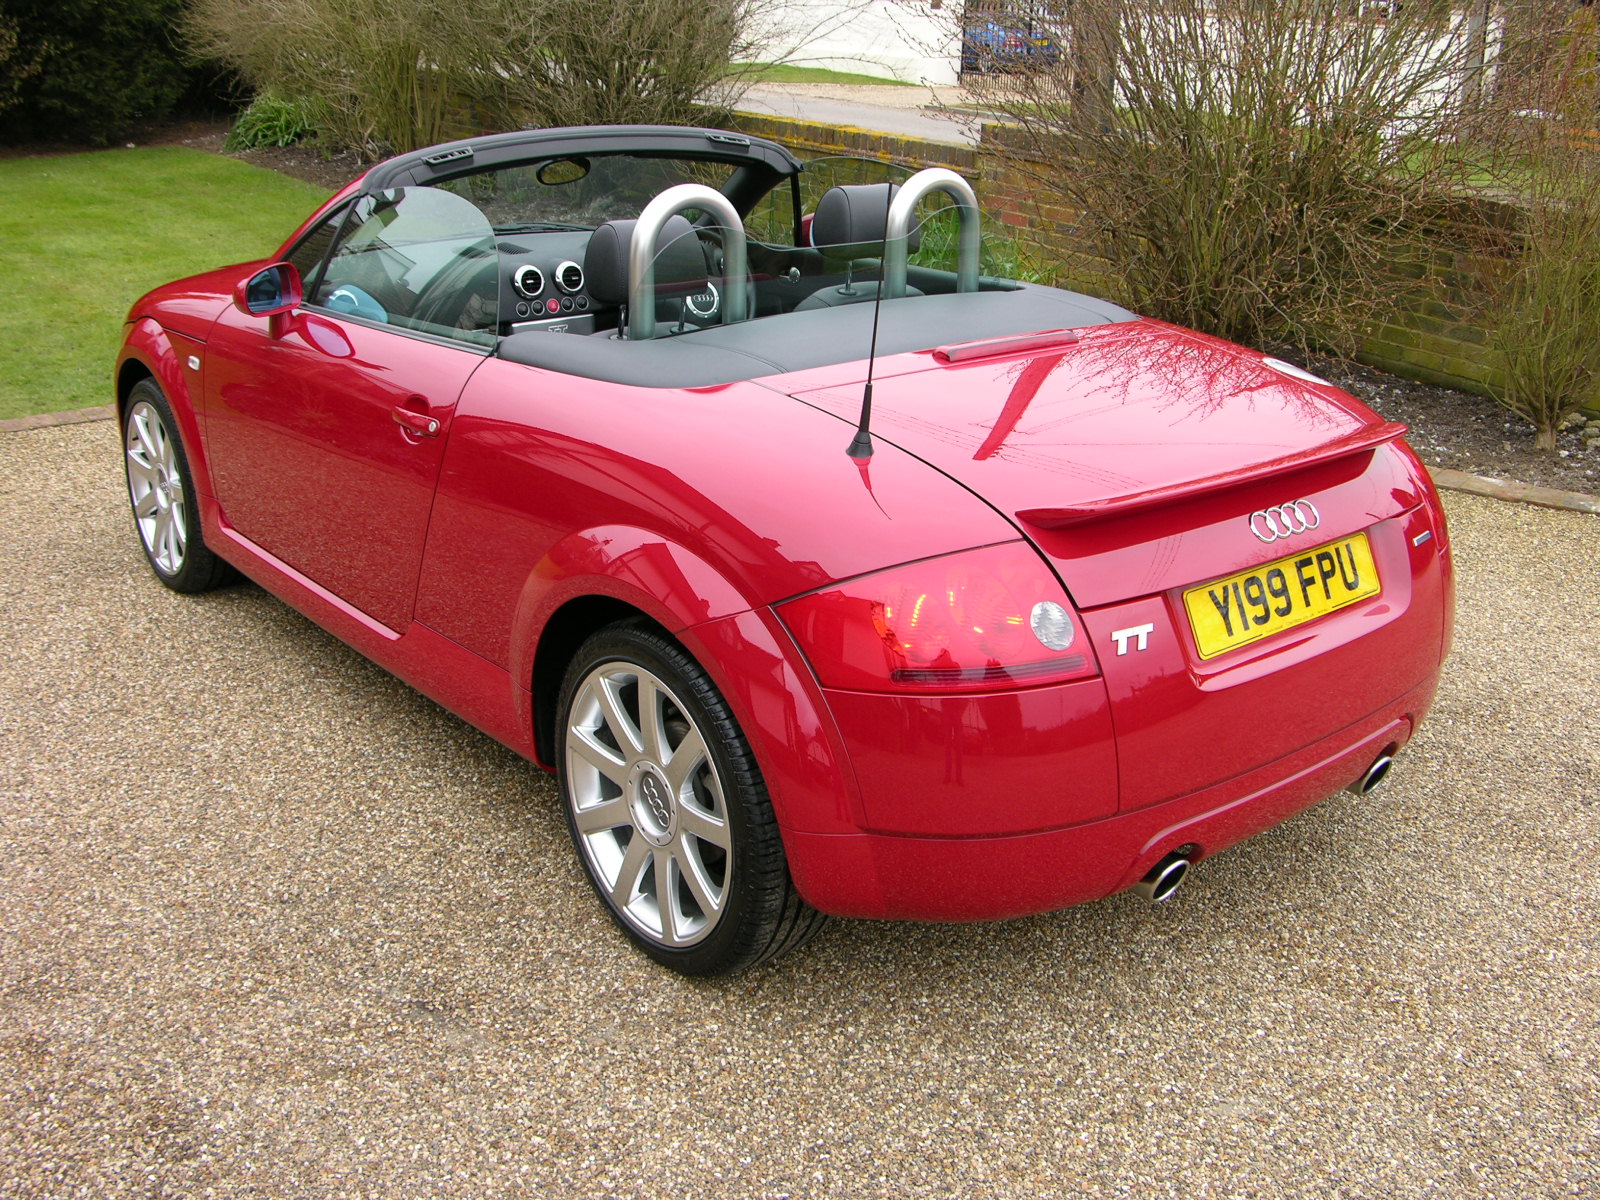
[[908, 111], [272, 925]]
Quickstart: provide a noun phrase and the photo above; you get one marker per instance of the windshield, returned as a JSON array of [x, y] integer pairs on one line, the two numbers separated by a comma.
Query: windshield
[[579, 191]]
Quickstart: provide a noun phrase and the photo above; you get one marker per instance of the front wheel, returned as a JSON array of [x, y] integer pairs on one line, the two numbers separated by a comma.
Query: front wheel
[[161, 492], [668, 811]]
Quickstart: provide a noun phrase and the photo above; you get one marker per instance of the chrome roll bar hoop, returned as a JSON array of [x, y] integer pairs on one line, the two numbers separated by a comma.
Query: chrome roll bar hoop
[[642, 255], [904, 209]]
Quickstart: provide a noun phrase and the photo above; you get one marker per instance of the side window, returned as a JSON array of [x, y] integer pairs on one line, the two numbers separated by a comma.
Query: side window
[[417, 258], [313, 248], [773, 218]]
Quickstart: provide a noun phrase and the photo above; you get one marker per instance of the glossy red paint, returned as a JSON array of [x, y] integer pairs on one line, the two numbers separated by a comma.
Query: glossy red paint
[[149, 350], [984, 765], [1132, 409], [190, 306], [981, 879], [804, 758], [478, 691], [308, 459], [442, 508], [1262, 701], [728, 529], [284, 284]]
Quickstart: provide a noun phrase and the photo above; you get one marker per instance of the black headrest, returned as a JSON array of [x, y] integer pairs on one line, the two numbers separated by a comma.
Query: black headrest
[[850, 221], [679, 259]]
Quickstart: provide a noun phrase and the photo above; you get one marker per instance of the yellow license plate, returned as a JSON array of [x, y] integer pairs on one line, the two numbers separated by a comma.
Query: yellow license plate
[[1228, 613]]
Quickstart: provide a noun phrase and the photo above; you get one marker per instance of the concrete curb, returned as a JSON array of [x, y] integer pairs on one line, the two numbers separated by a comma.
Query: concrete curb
[[1456, 481], [73, 416], [1519, 493]]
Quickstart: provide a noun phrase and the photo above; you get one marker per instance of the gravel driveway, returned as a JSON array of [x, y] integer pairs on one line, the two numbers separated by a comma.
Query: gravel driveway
[[273, 925]]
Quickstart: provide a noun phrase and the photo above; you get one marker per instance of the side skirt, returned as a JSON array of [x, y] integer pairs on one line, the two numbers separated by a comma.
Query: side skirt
[[473, 688]]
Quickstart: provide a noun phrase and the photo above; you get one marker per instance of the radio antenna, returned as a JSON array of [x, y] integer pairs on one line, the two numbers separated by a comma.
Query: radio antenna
[[861, 445]]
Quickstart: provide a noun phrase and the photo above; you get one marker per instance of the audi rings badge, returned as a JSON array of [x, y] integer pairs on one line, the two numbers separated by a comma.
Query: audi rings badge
[[1284, 520]]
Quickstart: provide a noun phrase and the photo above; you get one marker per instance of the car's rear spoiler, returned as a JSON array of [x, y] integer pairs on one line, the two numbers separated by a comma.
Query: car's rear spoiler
[[1368, 437]]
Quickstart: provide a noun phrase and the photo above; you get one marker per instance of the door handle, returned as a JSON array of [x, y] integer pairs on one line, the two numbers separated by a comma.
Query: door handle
[[420, 424]]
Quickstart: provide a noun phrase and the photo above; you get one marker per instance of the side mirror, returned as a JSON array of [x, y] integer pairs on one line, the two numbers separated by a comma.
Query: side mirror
[[269, 292]]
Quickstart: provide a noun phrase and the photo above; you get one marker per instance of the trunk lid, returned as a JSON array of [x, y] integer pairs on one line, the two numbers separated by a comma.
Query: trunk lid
[[1133, 456], [1110, 443]]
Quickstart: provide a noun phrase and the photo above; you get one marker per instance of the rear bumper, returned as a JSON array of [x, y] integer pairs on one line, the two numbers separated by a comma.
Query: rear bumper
[[991, 878]]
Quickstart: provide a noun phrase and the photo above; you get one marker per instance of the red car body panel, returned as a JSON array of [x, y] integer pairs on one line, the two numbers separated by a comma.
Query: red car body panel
[[982, 764], [309, 416], [729, 517], [974, 879], [470, 686], [449, 557], [149, 348]]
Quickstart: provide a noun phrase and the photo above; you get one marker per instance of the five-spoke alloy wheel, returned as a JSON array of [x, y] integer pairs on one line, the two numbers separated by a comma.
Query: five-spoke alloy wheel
[[668, 810]]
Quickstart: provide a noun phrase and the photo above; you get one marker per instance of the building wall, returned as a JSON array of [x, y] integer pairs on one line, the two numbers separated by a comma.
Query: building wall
[[913, 41]]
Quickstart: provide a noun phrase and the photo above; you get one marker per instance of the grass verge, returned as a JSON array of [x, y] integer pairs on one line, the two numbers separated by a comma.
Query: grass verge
[[787, 73], [84, 235]]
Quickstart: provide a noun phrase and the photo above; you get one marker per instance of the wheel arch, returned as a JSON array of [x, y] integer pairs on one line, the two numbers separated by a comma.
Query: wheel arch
[[621, 573], [130, 371], [577, 620], [151, 352], [597, 577]]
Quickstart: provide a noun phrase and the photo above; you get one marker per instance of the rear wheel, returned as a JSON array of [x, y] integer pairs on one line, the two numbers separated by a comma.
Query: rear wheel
[[666, 806], [161, 492]]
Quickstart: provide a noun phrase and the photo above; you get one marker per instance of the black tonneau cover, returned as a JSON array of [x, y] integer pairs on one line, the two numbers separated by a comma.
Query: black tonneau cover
[[818, 337]]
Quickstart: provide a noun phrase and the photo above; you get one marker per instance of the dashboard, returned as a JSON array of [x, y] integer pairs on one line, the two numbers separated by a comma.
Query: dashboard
[[542, 283]]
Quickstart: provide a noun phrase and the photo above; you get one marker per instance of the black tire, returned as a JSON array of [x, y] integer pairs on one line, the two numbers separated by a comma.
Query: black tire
[[696, 809], [162, 496]]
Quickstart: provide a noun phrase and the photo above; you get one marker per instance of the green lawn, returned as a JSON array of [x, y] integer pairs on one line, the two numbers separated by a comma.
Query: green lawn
[[784, 73], [84, 235]]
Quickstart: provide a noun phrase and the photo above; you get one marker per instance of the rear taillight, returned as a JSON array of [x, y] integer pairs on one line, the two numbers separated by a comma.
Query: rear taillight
[[1434, 506], [1423, 479], [975, 621]]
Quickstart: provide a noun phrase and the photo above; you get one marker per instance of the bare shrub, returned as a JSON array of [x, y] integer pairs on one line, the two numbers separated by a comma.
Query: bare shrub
[[1546, 306], [624, 61], [393, 75], [376, 71], [1248, 167]]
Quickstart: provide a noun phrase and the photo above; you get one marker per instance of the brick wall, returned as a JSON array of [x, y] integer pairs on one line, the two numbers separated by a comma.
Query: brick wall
[[1431, 334]]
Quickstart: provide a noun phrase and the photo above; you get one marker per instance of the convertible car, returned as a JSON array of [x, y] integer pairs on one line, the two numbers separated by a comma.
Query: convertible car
[[830, 571]]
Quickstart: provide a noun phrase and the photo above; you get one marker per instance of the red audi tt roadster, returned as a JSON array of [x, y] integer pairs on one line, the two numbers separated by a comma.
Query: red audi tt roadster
[[829, 569]]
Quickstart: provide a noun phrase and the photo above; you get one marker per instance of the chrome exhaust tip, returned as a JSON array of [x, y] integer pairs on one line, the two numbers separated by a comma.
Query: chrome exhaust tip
[[1373, 775], [1163, 879]]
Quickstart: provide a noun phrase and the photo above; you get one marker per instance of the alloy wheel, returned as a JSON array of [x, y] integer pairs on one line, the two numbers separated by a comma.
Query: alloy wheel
[[648, 804], [155, 486]]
